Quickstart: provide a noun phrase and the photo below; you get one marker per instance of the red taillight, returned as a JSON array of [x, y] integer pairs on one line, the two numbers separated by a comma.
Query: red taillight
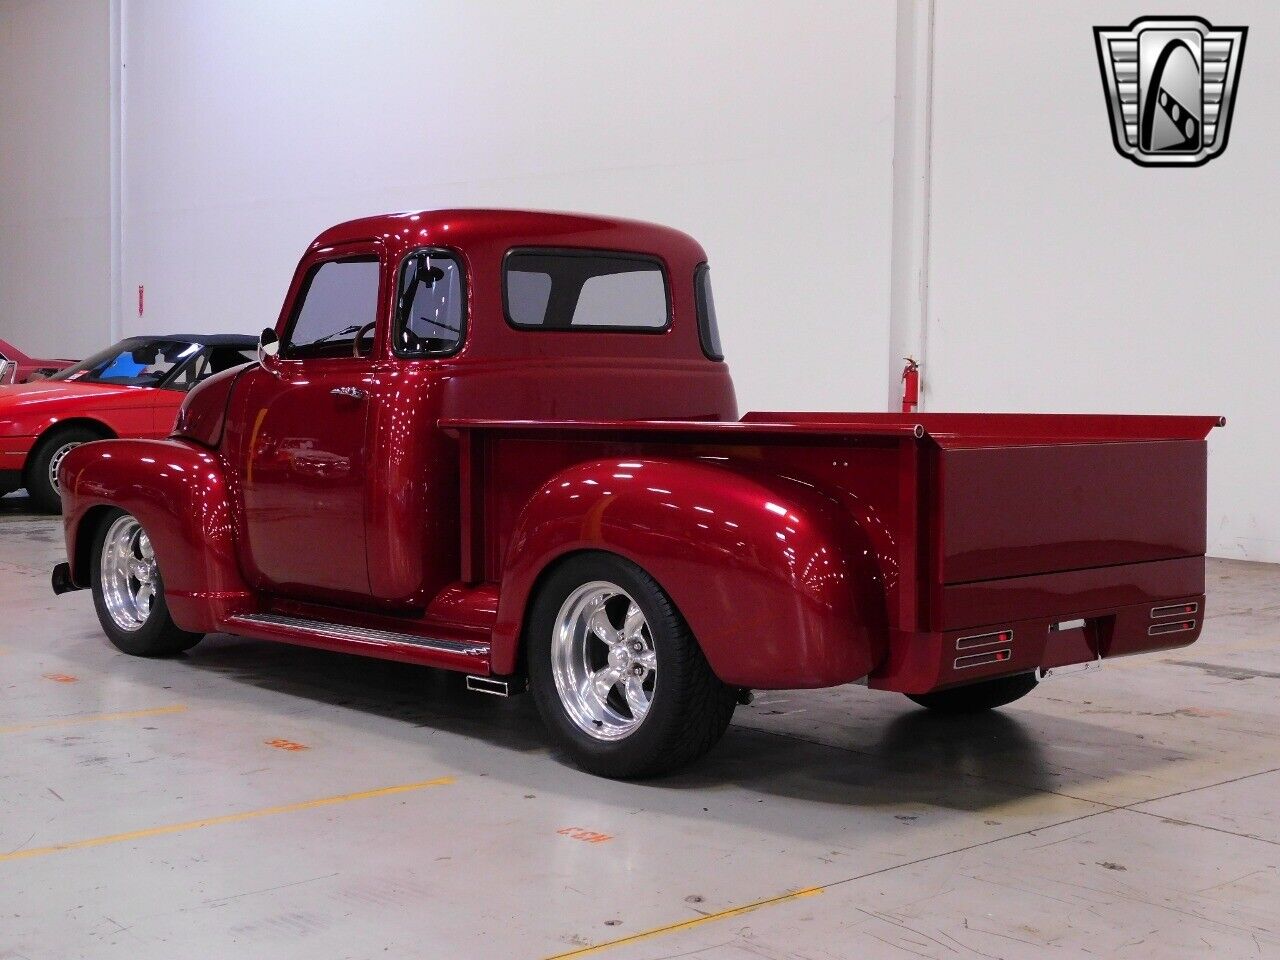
[[984, 640], [979, 659], [1171, 626], [1173, 609]]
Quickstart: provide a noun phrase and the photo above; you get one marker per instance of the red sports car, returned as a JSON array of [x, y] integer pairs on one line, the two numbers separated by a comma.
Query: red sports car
[[131, 389], [17, 367]]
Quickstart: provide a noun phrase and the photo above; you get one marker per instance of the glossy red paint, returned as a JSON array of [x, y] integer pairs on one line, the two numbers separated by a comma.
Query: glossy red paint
[[803, 549], [923, 661], [27, 368], [178, 492], [203, 414], [879, 495], [1010, 512], [774, 579]]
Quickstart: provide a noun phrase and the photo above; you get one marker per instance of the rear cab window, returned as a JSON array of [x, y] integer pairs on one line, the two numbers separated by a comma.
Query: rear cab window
[[554, 289]]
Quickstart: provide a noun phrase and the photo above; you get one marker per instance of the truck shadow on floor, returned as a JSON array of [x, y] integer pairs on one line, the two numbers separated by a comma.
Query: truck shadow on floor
[[886, 754]]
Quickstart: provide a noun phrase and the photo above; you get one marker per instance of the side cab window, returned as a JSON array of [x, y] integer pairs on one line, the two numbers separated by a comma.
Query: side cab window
[[430, 305], [337, 303]]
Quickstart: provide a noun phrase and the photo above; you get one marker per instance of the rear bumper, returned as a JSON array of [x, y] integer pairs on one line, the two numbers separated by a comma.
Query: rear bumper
[[923, 662], [1027, 623]]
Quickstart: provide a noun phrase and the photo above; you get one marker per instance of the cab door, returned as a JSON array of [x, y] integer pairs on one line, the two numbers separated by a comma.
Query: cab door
[[302, 435]]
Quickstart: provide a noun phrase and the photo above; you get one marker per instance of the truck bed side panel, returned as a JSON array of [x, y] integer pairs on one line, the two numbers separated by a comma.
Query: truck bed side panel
[[781, 553]]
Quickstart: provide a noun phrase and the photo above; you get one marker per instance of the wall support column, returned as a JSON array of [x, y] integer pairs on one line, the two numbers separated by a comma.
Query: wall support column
[[115, 14], [912, 145]]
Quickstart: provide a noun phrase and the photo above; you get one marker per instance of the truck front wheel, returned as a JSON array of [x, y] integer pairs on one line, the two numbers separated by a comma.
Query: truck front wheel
[[617, 675], [128, 592], [976, 697]]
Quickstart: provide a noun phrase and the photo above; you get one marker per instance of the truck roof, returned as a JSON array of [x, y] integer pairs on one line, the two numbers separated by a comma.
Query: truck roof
[[464, 227]]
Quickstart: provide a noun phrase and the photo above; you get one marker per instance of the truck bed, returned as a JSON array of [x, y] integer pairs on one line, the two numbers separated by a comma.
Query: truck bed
[[978, 523]]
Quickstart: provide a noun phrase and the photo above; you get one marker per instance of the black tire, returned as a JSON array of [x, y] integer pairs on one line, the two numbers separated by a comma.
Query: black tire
[[158, 636], [976, 697], [44, 495], [690, 707]]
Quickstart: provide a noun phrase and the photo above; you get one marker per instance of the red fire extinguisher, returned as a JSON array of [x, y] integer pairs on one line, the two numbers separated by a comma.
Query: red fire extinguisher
[[910, 386]]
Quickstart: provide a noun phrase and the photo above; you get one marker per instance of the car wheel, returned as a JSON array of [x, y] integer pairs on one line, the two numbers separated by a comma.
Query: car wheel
[[128, 591], [976, 697], [42, 473], [617, 675]]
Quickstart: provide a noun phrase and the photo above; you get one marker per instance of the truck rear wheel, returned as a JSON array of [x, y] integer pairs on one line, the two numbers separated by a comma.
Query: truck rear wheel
[[128, 592], [617, 675], [976, 697]]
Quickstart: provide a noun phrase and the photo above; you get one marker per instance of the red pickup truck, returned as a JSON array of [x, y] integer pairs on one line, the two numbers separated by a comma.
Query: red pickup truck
[[507, 444]]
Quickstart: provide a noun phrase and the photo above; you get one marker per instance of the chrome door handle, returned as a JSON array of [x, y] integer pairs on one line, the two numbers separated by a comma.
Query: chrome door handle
[[355, 393]]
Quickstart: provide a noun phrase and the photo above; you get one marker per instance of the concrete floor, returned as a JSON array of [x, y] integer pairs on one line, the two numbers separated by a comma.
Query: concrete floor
[[264, 801]]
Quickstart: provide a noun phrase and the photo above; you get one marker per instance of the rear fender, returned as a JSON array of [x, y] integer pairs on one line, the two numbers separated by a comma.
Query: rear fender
[[777, 583], [178, 492]]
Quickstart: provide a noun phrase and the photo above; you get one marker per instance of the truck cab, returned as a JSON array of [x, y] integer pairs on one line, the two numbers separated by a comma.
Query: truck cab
[[393, 324]]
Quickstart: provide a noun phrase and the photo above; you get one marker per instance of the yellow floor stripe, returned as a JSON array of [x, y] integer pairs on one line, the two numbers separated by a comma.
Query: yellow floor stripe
[[93, 718], [228, 818], [688, 924]]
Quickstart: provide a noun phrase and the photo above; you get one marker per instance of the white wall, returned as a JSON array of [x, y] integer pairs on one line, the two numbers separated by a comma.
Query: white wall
[[1055, 275], [54, 160], [765, 131], [1065, 278]]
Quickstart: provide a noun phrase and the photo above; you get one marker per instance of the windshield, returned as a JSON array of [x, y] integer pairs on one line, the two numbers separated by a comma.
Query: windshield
[[138, 362]]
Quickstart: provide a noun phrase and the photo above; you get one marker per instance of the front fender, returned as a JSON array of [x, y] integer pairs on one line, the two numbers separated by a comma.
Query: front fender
[[775, 580], [179, 494]]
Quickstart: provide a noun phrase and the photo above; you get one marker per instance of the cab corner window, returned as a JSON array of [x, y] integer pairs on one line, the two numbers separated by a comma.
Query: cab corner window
[[708, 331], [585, 290], [430, 302], [338, 302]]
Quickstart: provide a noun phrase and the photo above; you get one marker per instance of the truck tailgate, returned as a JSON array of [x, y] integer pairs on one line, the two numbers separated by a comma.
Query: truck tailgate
[[1015, 511]]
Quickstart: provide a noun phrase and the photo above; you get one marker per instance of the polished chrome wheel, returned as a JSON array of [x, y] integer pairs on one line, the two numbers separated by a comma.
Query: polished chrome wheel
[[603, 660], [56, 461], [128, 573]]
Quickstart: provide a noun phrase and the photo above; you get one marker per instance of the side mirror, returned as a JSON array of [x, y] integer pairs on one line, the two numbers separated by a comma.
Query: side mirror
[[268, 346]]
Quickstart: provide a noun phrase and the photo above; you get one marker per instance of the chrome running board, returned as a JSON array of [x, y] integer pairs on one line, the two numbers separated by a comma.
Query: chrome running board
[[350, 634]]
